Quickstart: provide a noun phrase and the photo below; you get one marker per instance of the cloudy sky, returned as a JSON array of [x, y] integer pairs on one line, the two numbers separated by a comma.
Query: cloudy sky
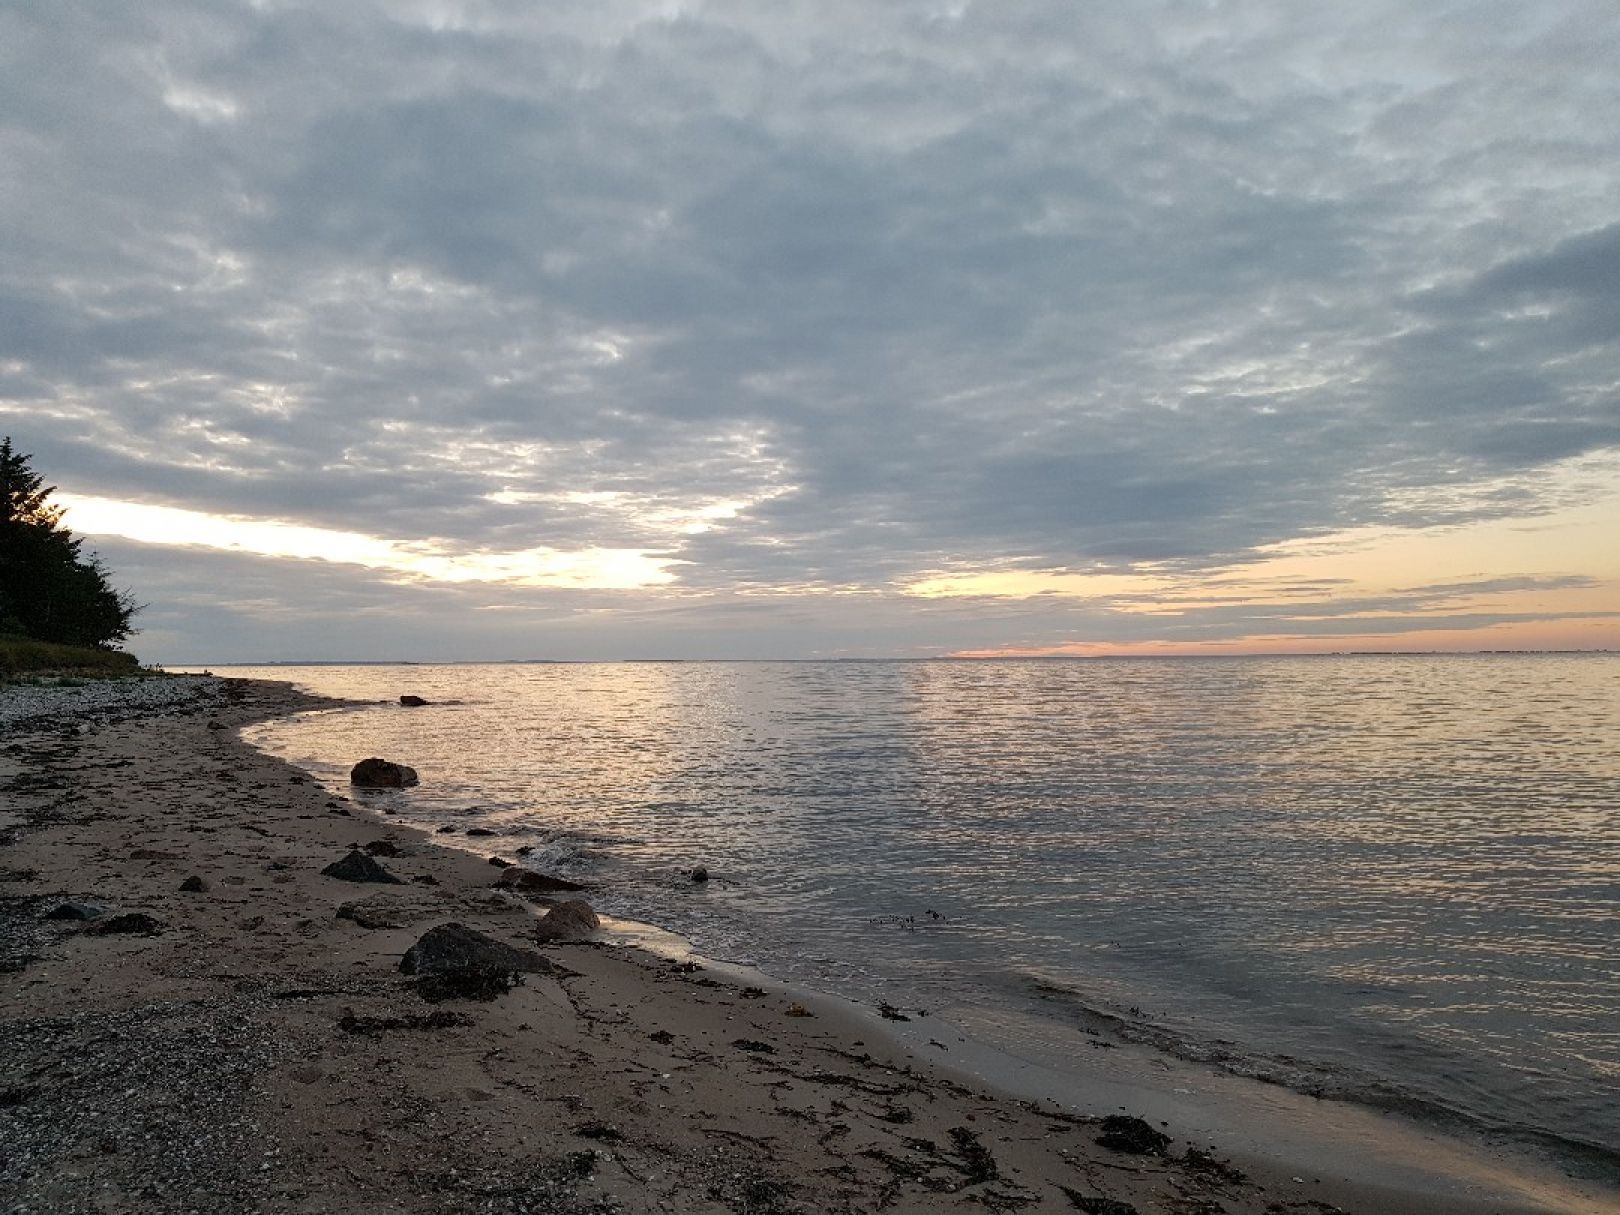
[[599, 328]]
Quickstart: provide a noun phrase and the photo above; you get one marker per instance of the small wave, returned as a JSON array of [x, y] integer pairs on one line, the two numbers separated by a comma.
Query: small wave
[[1313, 1078]]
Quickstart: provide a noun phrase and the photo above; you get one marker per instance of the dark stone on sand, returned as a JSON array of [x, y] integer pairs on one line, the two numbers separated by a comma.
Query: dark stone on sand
[[75, 911], [218, 725], [383, 848], [1126, 1133], [132, 923], [480, 831], [454, 962], [425, 879], [530, 882], [454, 946], [500, 862], [377, 773], [525, 850], [468, 983], [570, 921], [447, 829], [358, 867], [194, 885], [412, 702], [700, 874]]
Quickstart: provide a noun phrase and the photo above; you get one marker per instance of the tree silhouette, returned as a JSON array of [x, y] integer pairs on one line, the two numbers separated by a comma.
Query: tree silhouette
[[47, 590]]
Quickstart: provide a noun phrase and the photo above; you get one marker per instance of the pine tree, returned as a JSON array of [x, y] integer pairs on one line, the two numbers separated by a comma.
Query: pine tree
[[47, 590]]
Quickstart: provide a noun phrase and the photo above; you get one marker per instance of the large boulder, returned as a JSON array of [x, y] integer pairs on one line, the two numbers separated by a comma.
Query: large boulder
[[570, 921], [453, 946], [358, 867], [529, 882], [377, 773]]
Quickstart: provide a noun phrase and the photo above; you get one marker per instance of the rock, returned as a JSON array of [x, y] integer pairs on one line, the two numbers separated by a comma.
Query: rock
[[570, 921], [377, 773], [467, 983], [383, 848], [1126, 1133], [134, 923], [500, 862], [447, 829], [527, 880], [194, 885], [495, 902], [700, 874], [75, 911], [412, 702], [480, 831], [367, 914], [525, 850], [358, 867], [217, 725], [453, 946]]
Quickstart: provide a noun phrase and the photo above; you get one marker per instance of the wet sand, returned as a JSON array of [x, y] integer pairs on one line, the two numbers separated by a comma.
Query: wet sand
[[259, 1052]]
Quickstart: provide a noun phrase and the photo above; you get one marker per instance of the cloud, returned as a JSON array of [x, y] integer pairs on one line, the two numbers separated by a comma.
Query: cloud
[[814, 297]]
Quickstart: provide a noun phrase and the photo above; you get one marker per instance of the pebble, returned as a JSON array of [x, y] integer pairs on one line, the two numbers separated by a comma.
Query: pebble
[[102, 699]]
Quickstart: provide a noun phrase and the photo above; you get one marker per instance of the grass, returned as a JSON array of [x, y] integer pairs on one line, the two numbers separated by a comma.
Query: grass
[[24, 660]]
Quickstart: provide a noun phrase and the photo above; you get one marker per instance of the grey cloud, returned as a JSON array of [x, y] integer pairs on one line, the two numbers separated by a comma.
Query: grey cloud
[[1133, 283]]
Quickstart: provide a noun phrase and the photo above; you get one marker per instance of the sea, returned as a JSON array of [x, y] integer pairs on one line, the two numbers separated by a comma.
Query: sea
[[1389, 880]]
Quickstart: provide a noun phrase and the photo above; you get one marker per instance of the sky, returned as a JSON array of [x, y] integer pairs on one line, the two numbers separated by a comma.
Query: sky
[[483, 330]]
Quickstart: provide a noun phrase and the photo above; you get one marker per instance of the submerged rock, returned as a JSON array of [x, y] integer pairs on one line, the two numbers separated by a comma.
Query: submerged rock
[[412, 702], [358, 867], [700, 874], [527, 880], [377, 773], [570, 921], [194, 885]]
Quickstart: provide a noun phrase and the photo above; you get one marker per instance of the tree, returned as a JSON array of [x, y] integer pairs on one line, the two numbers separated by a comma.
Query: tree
[[47, 590]]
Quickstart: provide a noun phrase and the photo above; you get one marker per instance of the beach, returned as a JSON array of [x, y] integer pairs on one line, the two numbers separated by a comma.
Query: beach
[[253, 1044]]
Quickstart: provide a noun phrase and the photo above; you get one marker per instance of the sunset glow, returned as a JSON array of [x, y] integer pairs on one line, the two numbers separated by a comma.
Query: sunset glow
[[418, 561]]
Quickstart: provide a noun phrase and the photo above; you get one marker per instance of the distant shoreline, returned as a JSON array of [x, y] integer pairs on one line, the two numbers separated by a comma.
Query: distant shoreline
[[1086, 658]]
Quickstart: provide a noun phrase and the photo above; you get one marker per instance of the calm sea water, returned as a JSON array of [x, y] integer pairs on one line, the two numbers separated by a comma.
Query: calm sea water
[[1390, 879]]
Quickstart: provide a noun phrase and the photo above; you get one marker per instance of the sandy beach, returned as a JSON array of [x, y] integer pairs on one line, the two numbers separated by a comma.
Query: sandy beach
[[253, 1044]]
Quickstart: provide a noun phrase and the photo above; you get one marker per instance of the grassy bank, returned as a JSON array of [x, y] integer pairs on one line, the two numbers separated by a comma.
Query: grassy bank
[[23, 657]]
